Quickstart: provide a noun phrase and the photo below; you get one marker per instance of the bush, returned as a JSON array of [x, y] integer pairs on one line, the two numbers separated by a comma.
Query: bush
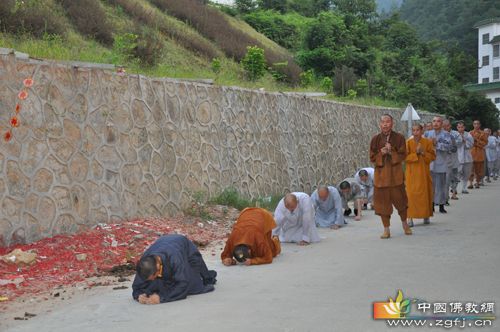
[[362, 87], [277, 71], [306, 78], [254, 63], [351, 94], [327, 84], [124, 45], [216, 65], [89, 18], [149, 49], [35, 17], [231, 197]]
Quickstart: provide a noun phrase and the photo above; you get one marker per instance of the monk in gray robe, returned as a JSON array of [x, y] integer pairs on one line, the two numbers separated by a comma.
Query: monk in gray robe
[[294, 217], [364, 177], [350, 190], [328, 205], [464, 146], [443, 144]]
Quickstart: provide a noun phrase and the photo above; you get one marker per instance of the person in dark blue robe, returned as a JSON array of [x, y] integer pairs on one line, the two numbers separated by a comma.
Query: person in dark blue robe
[[171, 269]]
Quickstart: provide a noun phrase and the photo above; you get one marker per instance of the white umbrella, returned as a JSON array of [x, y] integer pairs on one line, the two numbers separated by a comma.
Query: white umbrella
[[409, 115]]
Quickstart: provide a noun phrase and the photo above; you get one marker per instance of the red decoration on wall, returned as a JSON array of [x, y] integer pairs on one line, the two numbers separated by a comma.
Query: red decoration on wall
[[28, 82], [23, 95], [7, 136], [14, 121]]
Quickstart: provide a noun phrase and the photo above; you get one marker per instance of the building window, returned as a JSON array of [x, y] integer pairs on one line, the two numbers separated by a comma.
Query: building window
[[486, 80], [486, 60], [497, 100], [486, 38], [496, 50], [496, 73]]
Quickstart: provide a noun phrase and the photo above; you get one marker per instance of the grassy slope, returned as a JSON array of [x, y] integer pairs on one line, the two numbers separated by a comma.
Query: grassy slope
[[176, 62]]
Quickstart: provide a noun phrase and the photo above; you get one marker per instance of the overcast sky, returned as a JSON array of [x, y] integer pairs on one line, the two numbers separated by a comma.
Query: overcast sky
[[227, 2]]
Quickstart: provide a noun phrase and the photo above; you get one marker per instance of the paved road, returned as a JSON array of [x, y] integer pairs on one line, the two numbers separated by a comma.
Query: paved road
[[328, 286]]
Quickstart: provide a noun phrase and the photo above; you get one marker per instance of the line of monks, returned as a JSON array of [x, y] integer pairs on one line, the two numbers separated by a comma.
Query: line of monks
[[432, 162]]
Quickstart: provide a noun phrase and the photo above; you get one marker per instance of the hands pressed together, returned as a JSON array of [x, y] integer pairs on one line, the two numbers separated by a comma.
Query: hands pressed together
[[229, 261], [386, 149], [419, 149]]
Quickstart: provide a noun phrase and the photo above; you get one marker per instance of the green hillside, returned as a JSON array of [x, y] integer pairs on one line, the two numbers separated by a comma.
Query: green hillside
[[142, 37], [449, 20]]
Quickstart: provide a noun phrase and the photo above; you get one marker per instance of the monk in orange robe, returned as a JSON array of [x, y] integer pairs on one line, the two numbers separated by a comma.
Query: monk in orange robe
[[251, 241], [418, 175]]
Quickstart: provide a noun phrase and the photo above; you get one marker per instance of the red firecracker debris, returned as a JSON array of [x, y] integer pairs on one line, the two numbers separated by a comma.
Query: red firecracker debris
[[68, 259]]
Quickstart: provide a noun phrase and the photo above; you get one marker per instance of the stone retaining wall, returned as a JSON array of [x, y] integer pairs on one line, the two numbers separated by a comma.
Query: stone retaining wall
[[94, 146]]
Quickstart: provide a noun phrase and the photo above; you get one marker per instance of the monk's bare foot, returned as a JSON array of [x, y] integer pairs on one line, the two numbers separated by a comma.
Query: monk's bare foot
[[335, 227], [385, 235], [407, 228], [303, 243], [357, 218]]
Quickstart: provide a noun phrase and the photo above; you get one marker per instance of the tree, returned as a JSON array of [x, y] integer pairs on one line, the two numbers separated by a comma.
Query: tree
[[245, 6], [470, 106], [254, 63], [275, 27], [344, 79], [278, 5], [364, 9], [309, 8]]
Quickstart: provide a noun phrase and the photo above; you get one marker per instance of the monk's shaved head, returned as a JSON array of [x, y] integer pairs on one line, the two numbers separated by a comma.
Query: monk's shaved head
[[363, 174], [386, 116], [437, 123], [291, 202], [345, 185], [146, 267], [446, 125], [241, 253], [386, 123], [323, 192]]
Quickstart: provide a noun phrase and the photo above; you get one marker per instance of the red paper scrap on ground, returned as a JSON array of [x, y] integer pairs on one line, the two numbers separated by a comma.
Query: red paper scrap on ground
[[106, 246]]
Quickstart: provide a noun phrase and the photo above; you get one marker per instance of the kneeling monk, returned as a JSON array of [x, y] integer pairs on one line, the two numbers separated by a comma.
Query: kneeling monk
[[171, 269], [250, 241]]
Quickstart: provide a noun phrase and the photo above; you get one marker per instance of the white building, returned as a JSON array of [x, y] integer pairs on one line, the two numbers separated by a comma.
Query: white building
[[488, 73]]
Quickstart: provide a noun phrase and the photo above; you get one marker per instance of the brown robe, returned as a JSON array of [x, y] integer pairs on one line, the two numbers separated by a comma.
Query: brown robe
[[388, 177], [480, 141], [253, 228]]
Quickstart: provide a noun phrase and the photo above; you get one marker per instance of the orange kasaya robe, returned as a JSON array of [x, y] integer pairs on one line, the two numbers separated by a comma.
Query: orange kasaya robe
[[253, 228], [418, 178]]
